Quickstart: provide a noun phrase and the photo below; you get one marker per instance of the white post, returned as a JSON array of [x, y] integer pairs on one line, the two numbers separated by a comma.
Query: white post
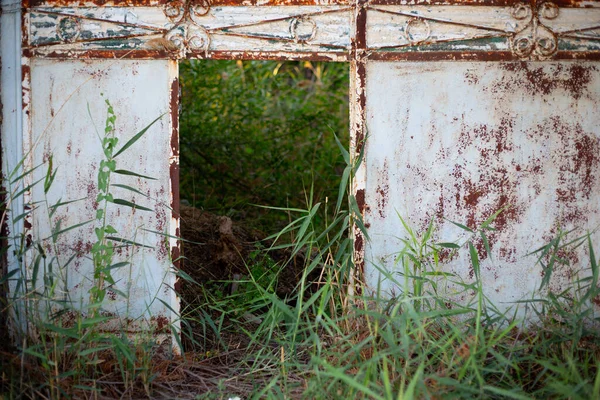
[[11, 126]]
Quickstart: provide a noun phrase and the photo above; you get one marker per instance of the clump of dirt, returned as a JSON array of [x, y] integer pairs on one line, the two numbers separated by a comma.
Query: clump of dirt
[[217, 252], [215, 248]]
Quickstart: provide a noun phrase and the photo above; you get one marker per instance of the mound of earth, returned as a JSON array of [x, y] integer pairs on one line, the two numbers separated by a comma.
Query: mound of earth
[[215, 248]]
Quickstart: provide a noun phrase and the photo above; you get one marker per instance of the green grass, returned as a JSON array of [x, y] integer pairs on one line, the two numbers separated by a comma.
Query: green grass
[[329, 345], [261, 133], [421, 344]]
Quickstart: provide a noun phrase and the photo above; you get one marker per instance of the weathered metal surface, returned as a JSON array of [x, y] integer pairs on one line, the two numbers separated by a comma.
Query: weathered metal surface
[[155, 3], [462, 140], [10, 120], [357, 96], [519, 30], [191, 31], [60, 127], [247, 3], [496, 3], [444, 135], [529, 31]]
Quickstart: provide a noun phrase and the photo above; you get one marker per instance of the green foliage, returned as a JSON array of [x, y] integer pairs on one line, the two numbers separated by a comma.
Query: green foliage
[[261, 133], [429, 342], [440, 337], [103, 249], [60, 338]]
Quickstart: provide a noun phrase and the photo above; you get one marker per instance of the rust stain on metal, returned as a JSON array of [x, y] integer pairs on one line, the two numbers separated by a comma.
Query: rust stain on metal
[[160, 324], [572, 78], [362, 104], [148, 54], [359, 243], [497, 182], [90, 3], [273, 55], [161, 44], [361, 25], [359, 97], [26, 76], [497, 3], [383, 188], [472, 55], [576, 55], [360, 199], [174, 110], [174, 175], [443, 56], [278, 2], [153, 3], [100, 54], [24, 27]]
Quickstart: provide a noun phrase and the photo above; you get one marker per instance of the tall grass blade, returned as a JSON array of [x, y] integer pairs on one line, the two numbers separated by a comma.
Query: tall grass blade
[[136, 137], [131, 173]]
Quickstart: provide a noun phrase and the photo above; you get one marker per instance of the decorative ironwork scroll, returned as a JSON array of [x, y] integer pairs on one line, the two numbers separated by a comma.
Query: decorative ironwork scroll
[[197, 29]]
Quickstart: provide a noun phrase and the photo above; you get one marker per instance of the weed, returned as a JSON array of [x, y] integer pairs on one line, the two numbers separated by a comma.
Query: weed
[[64, 346], [256, 132]]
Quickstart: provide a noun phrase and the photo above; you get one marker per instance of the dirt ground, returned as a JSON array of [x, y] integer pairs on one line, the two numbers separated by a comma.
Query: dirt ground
[[215, 248], [218, 251]]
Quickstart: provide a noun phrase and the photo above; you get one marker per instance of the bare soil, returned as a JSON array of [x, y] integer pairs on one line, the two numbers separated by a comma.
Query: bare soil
[[215, 248]]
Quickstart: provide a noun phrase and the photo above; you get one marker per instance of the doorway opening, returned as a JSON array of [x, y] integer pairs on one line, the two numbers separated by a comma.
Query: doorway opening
[[258, 141]]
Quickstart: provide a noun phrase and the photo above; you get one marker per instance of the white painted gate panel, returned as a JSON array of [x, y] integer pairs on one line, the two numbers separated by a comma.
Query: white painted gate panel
[[62, 128], [459, 141]]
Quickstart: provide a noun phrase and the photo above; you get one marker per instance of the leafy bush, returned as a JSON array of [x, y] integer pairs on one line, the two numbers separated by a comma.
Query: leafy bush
[[261, 133]]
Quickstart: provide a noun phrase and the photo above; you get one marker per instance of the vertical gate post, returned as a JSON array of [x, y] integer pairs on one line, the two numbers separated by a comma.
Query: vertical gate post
[[11, 128]]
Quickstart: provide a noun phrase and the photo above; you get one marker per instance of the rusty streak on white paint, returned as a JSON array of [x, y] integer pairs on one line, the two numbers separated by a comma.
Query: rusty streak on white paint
[[462, 140], [61, 127]]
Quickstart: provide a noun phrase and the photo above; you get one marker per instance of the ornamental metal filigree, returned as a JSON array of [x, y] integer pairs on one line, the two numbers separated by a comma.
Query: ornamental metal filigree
[[535, 38], [68, 29], [186, 31], [191, 28], [417, 30], [303, 29]]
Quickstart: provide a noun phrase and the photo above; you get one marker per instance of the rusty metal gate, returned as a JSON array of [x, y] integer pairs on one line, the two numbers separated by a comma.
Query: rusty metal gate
[[460, 108]]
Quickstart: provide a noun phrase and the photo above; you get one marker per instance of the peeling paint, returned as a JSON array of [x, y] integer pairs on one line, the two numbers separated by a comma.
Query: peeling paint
[[460, 141], [125, 83], [496, 30]]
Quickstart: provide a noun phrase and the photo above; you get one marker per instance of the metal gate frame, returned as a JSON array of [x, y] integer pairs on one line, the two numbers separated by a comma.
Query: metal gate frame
[[357, 32]]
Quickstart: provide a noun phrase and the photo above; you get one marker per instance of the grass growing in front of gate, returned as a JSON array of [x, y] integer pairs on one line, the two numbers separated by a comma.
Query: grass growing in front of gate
[[438, 337], [66, 345], [332, 338], [421, 343]]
